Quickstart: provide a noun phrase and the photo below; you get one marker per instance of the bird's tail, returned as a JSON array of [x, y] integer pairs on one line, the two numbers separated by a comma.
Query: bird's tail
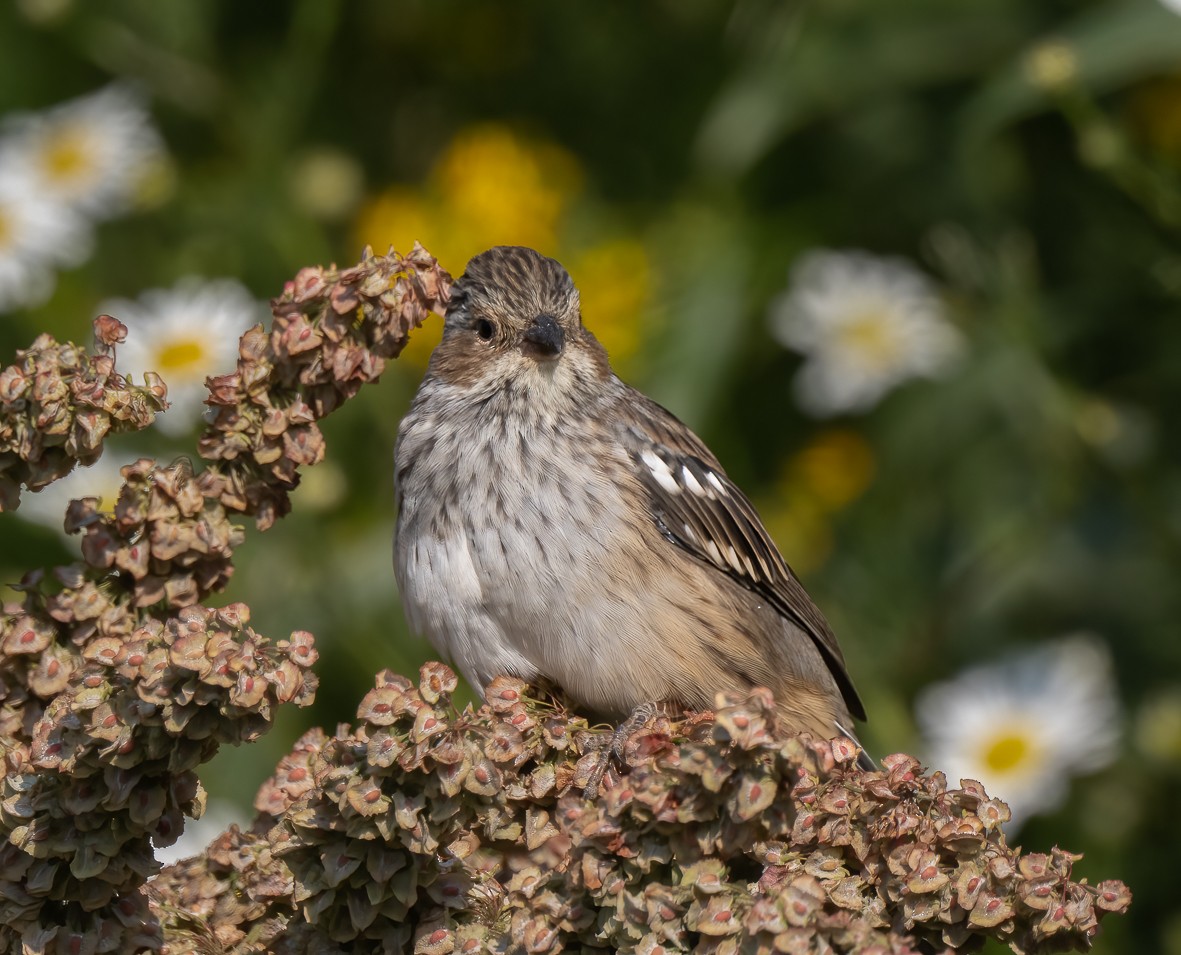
[[864, 760]]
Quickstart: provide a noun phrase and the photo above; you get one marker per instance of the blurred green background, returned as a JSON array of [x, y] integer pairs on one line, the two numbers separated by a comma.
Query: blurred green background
[[679, 157]]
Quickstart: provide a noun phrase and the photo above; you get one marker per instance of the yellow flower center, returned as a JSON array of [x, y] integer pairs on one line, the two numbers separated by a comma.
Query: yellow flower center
[[182, 355], [66, 156], [107, 497], [869, 334], [1005, 753]]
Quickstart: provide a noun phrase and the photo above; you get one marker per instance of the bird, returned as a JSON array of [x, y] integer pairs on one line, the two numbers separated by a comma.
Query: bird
[[557, 525]]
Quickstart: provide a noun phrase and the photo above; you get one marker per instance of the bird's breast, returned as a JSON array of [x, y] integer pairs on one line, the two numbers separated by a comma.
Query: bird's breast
[[499, 528]]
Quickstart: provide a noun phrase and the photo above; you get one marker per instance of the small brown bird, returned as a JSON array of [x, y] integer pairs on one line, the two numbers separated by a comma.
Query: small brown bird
[[554, 522]]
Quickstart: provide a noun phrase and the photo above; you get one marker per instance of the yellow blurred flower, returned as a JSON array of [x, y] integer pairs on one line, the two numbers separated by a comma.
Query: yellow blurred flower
[[835, 468], [829, 473], [506, 190], [400, 217], [490, 187], [613, 279], [1154, 110], [494, 187], [802, 531]]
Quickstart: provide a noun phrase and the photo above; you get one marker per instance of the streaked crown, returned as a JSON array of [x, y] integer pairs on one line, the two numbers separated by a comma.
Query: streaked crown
[[515, 284]]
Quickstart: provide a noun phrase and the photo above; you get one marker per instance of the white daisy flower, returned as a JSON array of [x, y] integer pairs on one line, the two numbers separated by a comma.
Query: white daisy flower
[[36, 235], [185, 334], [199, 833], [1025, 725], [91, 153], [865, 323], [101, 479]]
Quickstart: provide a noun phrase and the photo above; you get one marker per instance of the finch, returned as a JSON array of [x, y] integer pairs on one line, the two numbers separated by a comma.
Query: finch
[[555, 523]]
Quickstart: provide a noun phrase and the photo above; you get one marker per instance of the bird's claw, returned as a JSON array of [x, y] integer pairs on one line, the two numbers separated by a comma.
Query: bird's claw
[[611, 748]]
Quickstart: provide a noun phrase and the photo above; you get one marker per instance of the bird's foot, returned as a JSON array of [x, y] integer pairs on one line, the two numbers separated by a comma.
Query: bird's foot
[[611, 748]]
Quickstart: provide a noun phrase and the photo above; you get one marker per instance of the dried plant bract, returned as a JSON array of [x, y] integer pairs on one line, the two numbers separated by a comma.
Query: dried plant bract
[[421, 828]]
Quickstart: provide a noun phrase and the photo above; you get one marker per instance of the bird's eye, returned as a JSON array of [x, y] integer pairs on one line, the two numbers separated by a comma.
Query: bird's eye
[[485, 330]]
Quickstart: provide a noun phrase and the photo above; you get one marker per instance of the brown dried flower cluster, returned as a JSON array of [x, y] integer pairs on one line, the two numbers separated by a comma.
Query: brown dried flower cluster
[[118, 724], [332, 332], [115, 683], [422, 829], [432, 831], [57, 403]]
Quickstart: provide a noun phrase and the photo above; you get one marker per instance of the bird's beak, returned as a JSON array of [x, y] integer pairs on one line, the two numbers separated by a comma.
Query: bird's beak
[[546, 337]]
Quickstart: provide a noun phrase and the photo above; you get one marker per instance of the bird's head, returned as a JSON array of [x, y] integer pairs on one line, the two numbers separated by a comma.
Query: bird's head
[[515, 319]]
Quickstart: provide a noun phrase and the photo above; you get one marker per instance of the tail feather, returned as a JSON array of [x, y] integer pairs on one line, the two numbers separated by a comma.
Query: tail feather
[[864, 760]]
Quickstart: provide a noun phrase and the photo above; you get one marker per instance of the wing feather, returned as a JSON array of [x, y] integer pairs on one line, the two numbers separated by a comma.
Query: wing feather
[[698, 508]]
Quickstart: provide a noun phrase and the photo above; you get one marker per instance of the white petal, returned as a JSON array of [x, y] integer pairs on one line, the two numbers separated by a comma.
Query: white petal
[[208, 317], [866, 324], [1059, 699]]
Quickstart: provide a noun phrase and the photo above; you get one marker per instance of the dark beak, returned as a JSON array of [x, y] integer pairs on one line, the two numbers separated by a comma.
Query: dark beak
[[546, 335]]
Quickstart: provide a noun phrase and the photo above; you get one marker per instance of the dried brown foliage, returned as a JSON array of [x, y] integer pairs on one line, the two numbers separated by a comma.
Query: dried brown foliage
[[427, 830], [115, 681], [421, 828], [57, 403], [332, 332]]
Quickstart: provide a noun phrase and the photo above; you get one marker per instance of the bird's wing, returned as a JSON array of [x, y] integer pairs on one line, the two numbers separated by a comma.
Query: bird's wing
[[698, 508]]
